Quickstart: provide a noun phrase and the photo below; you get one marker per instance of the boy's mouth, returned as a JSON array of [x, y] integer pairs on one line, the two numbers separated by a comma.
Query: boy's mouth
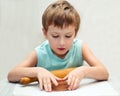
[[61, 49]]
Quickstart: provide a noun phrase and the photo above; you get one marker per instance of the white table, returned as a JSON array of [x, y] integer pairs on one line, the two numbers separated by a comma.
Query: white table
[[6, 88]]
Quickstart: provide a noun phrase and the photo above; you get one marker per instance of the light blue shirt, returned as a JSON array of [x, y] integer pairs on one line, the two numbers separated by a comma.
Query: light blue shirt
[[47, 59]]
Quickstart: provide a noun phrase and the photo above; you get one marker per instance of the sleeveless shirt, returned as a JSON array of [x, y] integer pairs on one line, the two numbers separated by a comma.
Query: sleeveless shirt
[[47, 59]]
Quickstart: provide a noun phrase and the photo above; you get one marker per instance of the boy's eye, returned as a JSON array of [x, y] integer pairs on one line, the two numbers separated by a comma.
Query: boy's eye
[[68, 36], [55, 36]]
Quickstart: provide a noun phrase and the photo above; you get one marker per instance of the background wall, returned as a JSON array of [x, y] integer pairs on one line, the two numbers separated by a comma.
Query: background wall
[[20, 30]]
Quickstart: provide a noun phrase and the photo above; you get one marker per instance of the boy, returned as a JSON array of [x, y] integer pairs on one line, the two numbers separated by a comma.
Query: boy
[[61, 50]]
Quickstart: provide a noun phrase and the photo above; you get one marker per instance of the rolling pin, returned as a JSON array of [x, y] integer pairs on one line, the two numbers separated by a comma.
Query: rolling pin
[[62, 84], [58, 73]]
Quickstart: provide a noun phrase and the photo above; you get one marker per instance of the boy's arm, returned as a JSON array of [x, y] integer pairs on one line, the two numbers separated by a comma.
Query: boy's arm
[[25, 68], [96, 69]]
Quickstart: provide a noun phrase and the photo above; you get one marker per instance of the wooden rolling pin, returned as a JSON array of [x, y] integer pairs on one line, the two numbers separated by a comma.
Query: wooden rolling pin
[[59, 73]]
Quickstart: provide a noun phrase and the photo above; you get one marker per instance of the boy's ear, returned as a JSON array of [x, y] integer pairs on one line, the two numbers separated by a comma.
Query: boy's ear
[[44, 31]]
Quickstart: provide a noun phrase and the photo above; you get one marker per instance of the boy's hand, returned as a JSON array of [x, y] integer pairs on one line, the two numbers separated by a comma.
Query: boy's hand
[[74, 78], [46, 79]]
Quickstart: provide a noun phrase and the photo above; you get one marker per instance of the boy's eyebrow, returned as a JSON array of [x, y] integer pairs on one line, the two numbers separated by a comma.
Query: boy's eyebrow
[[54, 32], [69, 33], [65, 33]]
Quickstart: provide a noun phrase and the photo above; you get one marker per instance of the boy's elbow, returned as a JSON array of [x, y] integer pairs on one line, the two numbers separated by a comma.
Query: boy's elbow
[[10, 77], [106, 75]]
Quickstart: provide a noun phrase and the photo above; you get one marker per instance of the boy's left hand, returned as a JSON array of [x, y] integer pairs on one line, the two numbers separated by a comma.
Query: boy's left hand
[[74, 77]]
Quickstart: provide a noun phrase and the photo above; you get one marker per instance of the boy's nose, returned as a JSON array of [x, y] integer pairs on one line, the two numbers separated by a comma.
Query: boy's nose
[[62, 41]]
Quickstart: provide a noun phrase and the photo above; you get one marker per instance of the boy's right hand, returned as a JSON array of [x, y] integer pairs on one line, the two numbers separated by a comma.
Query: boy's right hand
[[46, 79]]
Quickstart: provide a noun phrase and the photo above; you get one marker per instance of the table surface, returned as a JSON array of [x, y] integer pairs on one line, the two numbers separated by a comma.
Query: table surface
[[6, 88]]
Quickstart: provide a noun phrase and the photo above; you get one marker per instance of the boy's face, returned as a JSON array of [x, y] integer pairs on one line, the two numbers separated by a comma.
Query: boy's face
[[60, 39]]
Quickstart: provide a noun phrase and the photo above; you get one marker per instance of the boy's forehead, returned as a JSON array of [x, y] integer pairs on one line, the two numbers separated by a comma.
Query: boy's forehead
[[65, 28]]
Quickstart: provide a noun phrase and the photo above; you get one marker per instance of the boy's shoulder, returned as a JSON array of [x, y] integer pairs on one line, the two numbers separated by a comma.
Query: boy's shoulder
[[77, 41], [43, 45]]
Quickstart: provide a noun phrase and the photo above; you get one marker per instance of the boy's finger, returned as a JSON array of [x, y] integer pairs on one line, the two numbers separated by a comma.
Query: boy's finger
[[75, 84], [58, 79], [65, 78], [71, 82], [48, 85], [41, 84], [54, 81], [45, 84]]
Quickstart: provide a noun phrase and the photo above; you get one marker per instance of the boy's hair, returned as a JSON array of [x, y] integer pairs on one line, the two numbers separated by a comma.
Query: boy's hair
[[61, 14]]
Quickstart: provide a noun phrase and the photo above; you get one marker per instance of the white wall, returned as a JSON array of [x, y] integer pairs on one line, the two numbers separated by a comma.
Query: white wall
[[20, 30]]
